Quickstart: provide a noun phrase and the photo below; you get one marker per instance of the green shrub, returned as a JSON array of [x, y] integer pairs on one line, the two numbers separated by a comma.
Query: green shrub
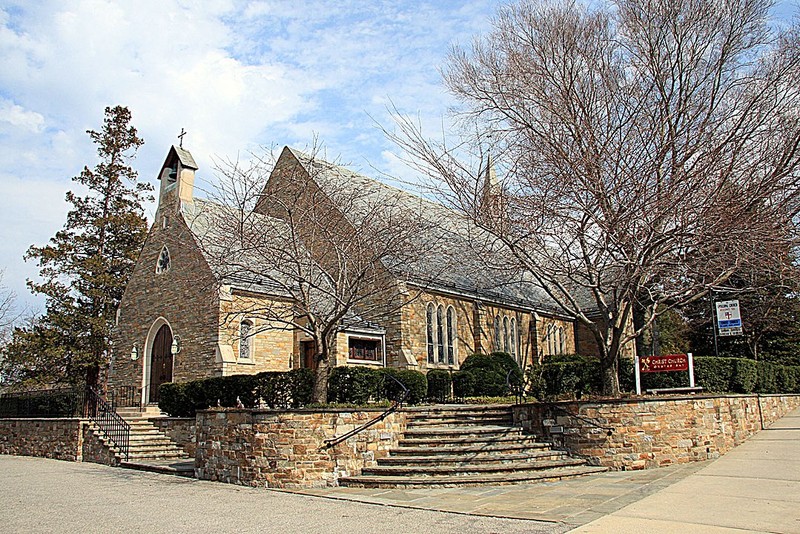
[[414, 381], [355, 385], [173, 401], [463, 384], [440, 385], [490, 372], [301, 386], [577, 376]]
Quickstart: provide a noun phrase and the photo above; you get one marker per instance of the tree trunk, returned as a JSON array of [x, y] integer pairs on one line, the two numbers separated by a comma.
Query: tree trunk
[[320, 394]]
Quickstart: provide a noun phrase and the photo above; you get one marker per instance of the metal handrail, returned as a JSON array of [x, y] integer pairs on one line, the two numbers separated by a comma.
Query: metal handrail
[[519, 392], [114, 427], [125, 397], [609, 430], [332, 442]]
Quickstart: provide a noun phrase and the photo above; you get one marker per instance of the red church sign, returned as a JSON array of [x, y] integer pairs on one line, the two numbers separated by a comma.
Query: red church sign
[[660, 364]]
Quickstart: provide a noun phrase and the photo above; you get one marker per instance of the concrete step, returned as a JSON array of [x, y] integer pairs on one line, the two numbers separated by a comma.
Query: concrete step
[[450, 431], [470, 469], [461, 421], [132, 455], [547, 475], [487, 448], [469, 441], [478, 458], [168, 467]]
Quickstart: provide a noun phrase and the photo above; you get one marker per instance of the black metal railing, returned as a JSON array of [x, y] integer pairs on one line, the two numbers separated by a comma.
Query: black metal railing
[[114, 427], [517, 386], [332, 442], [125, 397], [56, 402]]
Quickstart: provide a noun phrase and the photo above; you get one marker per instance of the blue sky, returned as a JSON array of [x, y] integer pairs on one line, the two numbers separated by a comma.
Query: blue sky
[[235, 74]]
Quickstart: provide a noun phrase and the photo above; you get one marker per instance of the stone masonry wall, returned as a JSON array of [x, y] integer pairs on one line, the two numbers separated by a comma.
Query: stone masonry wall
[[185, 296], [72, 440], [655, 432], [282, 449], [181, 430], [59, 439]]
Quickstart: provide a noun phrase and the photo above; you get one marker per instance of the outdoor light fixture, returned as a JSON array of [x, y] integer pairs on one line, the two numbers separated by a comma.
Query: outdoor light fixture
[[176, 345], [135, 352]]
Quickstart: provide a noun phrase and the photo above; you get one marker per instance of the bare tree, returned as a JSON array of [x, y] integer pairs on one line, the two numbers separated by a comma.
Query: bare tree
[[8, 311], [322, 249], [649, 149]]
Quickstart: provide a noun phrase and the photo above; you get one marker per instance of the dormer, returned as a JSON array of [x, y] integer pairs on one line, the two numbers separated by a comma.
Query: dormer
[[177, 179]]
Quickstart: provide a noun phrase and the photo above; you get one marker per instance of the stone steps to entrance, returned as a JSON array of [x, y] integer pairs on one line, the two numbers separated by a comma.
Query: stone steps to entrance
[[548, 475], [467, 446], [184, 468], [147, 443]]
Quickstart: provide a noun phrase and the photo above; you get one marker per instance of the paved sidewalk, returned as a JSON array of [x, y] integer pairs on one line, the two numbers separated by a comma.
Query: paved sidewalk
[[754, 488]]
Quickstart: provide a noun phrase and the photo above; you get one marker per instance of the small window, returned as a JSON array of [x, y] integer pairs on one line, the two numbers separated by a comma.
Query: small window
[[245, 339], [165, 222], [162, 265], [368, 350]]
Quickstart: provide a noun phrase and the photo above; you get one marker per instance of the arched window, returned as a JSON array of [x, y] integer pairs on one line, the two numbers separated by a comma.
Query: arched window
[[451, 335], [162, 265], [497, 343], [513, 337], [551, 342], [562, 341], [246, 339], [440, 333], [506, 347], [429, 316]]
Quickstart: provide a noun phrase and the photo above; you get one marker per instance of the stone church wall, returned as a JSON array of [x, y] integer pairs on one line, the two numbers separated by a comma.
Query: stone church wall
[[67, 439], [185, 296]]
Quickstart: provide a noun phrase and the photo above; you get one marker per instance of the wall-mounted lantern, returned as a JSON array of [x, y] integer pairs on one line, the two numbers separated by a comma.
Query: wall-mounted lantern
[[176, 345], [135, 352]]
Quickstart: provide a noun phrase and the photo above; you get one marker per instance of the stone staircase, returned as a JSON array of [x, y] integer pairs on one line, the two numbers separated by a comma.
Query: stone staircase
[[149, 448], [467, 445]]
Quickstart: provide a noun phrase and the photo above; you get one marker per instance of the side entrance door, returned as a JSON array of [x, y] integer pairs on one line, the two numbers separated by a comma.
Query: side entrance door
[[161, 361], [308, 351]]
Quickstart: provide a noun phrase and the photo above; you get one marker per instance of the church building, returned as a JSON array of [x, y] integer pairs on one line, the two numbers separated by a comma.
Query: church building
[[183, 317]]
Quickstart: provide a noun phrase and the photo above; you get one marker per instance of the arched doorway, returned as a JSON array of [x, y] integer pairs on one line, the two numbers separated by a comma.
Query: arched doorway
[[160, 361]]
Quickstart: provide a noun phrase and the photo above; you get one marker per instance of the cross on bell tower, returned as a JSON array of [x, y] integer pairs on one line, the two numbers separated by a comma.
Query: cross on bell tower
[[180, 136]]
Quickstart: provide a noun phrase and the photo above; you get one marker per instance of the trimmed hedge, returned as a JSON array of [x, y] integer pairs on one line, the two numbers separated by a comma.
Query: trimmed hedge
[[415, 381], [288, 389], [440, 385], [484, 375], [359, 385], [578, 375]]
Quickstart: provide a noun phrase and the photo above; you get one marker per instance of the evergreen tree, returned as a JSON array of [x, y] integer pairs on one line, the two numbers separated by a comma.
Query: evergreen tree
[[86, 265]]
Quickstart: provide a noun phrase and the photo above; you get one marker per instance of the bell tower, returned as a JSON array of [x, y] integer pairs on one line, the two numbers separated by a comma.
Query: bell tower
[[177, 179]]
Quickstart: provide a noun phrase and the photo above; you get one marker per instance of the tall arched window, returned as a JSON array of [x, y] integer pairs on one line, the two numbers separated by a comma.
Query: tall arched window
[[245, 339], [451, 335], [505, 335], [513, 337], [440, 333], [562, 341], [429, 316], [497, 343]]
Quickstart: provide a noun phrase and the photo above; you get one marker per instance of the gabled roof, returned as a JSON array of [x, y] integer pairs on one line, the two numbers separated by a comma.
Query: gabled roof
[[184, 157], [453, 261]]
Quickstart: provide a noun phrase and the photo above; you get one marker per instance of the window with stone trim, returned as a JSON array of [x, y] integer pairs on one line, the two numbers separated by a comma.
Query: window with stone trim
[[440, 333], [364, 349], [246, 339], [430, 328], [451, 335], [513, 337], [163, 263], [497, 334]]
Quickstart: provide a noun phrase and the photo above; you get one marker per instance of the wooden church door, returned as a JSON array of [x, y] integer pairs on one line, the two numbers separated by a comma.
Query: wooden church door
[[161, 361]]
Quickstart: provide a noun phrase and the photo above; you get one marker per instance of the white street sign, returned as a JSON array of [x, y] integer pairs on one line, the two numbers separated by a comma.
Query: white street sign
[[729, 320]]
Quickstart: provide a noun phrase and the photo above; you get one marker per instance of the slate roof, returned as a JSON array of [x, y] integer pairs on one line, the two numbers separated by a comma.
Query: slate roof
[[452, 262]]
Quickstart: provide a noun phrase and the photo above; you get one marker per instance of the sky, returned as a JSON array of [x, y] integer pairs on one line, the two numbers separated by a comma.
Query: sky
[[237, 75]]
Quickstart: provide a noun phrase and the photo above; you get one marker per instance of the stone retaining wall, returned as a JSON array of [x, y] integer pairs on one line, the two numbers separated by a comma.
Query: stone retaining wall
[[654, 432], [61, 439], [283, 449], [181, 430]]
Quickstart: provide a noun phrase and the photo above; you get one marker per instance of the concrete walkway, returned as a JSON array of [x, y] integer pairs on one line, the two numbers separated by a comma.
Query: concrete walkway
[[754, 488]]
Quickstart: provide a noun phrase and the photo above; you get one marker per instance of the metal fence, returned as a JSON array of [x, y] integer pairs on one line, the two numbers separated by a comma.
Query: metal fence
[[61, 402]]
